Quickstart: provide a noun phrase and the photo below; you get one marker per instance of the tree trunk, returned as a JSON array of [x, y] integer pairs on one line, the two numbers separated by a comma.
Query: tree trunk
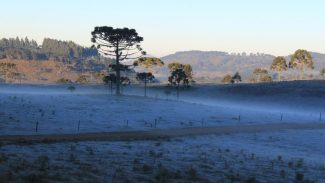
[[177, 91], [118, 72], [279, 76]]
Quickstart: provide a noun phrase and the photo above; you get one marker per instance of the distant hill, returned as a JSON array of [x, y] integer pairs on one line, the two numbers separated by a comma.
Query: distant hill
[[213, 65]]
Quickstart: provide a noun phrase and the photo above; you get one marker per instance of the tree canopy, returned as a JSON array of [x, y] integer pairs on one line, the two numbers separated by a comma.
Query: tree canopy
[[148, 62], [180, 72]]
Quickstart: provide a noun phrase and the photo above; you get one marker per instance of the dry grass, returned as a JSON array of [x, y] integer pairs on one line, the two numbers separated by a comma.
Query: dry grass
[[48, 71]]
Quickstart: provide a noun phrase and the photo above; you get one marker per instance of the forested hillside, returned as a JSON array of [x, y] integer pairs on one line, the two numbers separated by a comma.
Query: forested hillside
[[25, 49], [50, 61]]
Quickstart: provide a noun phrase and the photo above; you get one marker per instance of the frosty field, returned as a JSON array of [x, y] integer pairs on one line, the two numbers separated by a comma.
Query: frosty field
[[273, 155]]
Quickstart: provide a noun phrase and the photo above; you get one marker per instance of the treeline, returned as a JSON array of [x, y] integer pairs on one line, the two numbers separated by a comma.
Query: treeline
[[22, 49], [59, 50], [51, 49]]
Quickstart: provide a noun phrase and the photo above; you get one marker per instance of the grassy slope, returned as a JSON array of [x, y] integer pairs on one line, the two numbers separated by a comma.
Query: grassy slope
[[48, 71]]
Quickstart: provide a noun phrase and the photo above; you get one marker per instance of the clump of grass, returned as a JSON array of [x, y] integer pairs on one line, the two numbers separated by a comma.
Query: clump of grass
[[72, 157], [163, 175], [7, 177], [299, 176], [35, 178], [43, 162], [253, 156], [300, 162], [90, 150], [157, 144], [282, 174], [71, 88], [72, 147], [146, 168], [192, 173], [3, 158], [251, 180]]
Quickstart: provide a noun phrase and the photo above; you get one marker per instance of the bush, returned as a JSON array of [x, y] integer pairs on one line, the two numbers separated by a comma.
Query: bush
[[251, 180], [64, 81], [71, 88], [192, 173], [43, 163], [82, 79], [299, 176], [227, 79]]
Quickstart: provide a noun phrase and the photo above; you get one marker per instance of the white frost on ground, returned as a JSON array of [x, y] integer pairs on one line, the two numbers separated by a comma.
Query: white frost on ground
[[268, 156], [57, 110], [212, 158]]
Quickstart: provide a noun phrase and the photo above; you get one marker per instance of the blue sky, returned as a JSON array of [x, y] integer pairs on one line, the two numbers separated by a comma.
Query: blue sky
[[270, 26]]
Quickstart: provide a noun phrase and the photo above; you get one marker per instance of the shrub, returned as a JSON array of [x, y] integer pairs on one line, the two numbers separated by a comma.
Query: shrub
[[283, 174], [64, 81], [82, 79], [43, 163], [192, 173], [251, 180], [146, 168], [299, 176], [227, 79], [3, 158], [71, 88]]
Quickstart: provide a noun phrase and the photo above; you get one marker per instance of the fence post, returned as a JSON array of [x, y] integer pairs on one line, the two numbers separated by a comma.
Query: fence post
[[36, 127], [281, 117], [78, 125]]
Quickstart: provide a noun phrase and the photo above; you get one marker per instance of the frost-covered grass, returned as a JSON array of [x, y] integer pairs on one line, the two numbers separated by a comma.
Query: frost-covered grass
[[211, 158], [284, 156], [55, 109]]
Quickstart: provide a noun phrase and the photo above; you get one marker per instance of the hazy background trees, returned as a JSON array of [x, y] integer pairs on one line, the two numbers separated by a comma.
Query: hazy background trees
[[301, 60], [279, 65]]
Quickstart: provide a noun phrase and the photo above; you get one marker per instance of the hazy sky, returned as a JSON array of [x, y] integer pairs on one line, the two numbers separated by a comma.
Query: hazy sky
[[269, 26]]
